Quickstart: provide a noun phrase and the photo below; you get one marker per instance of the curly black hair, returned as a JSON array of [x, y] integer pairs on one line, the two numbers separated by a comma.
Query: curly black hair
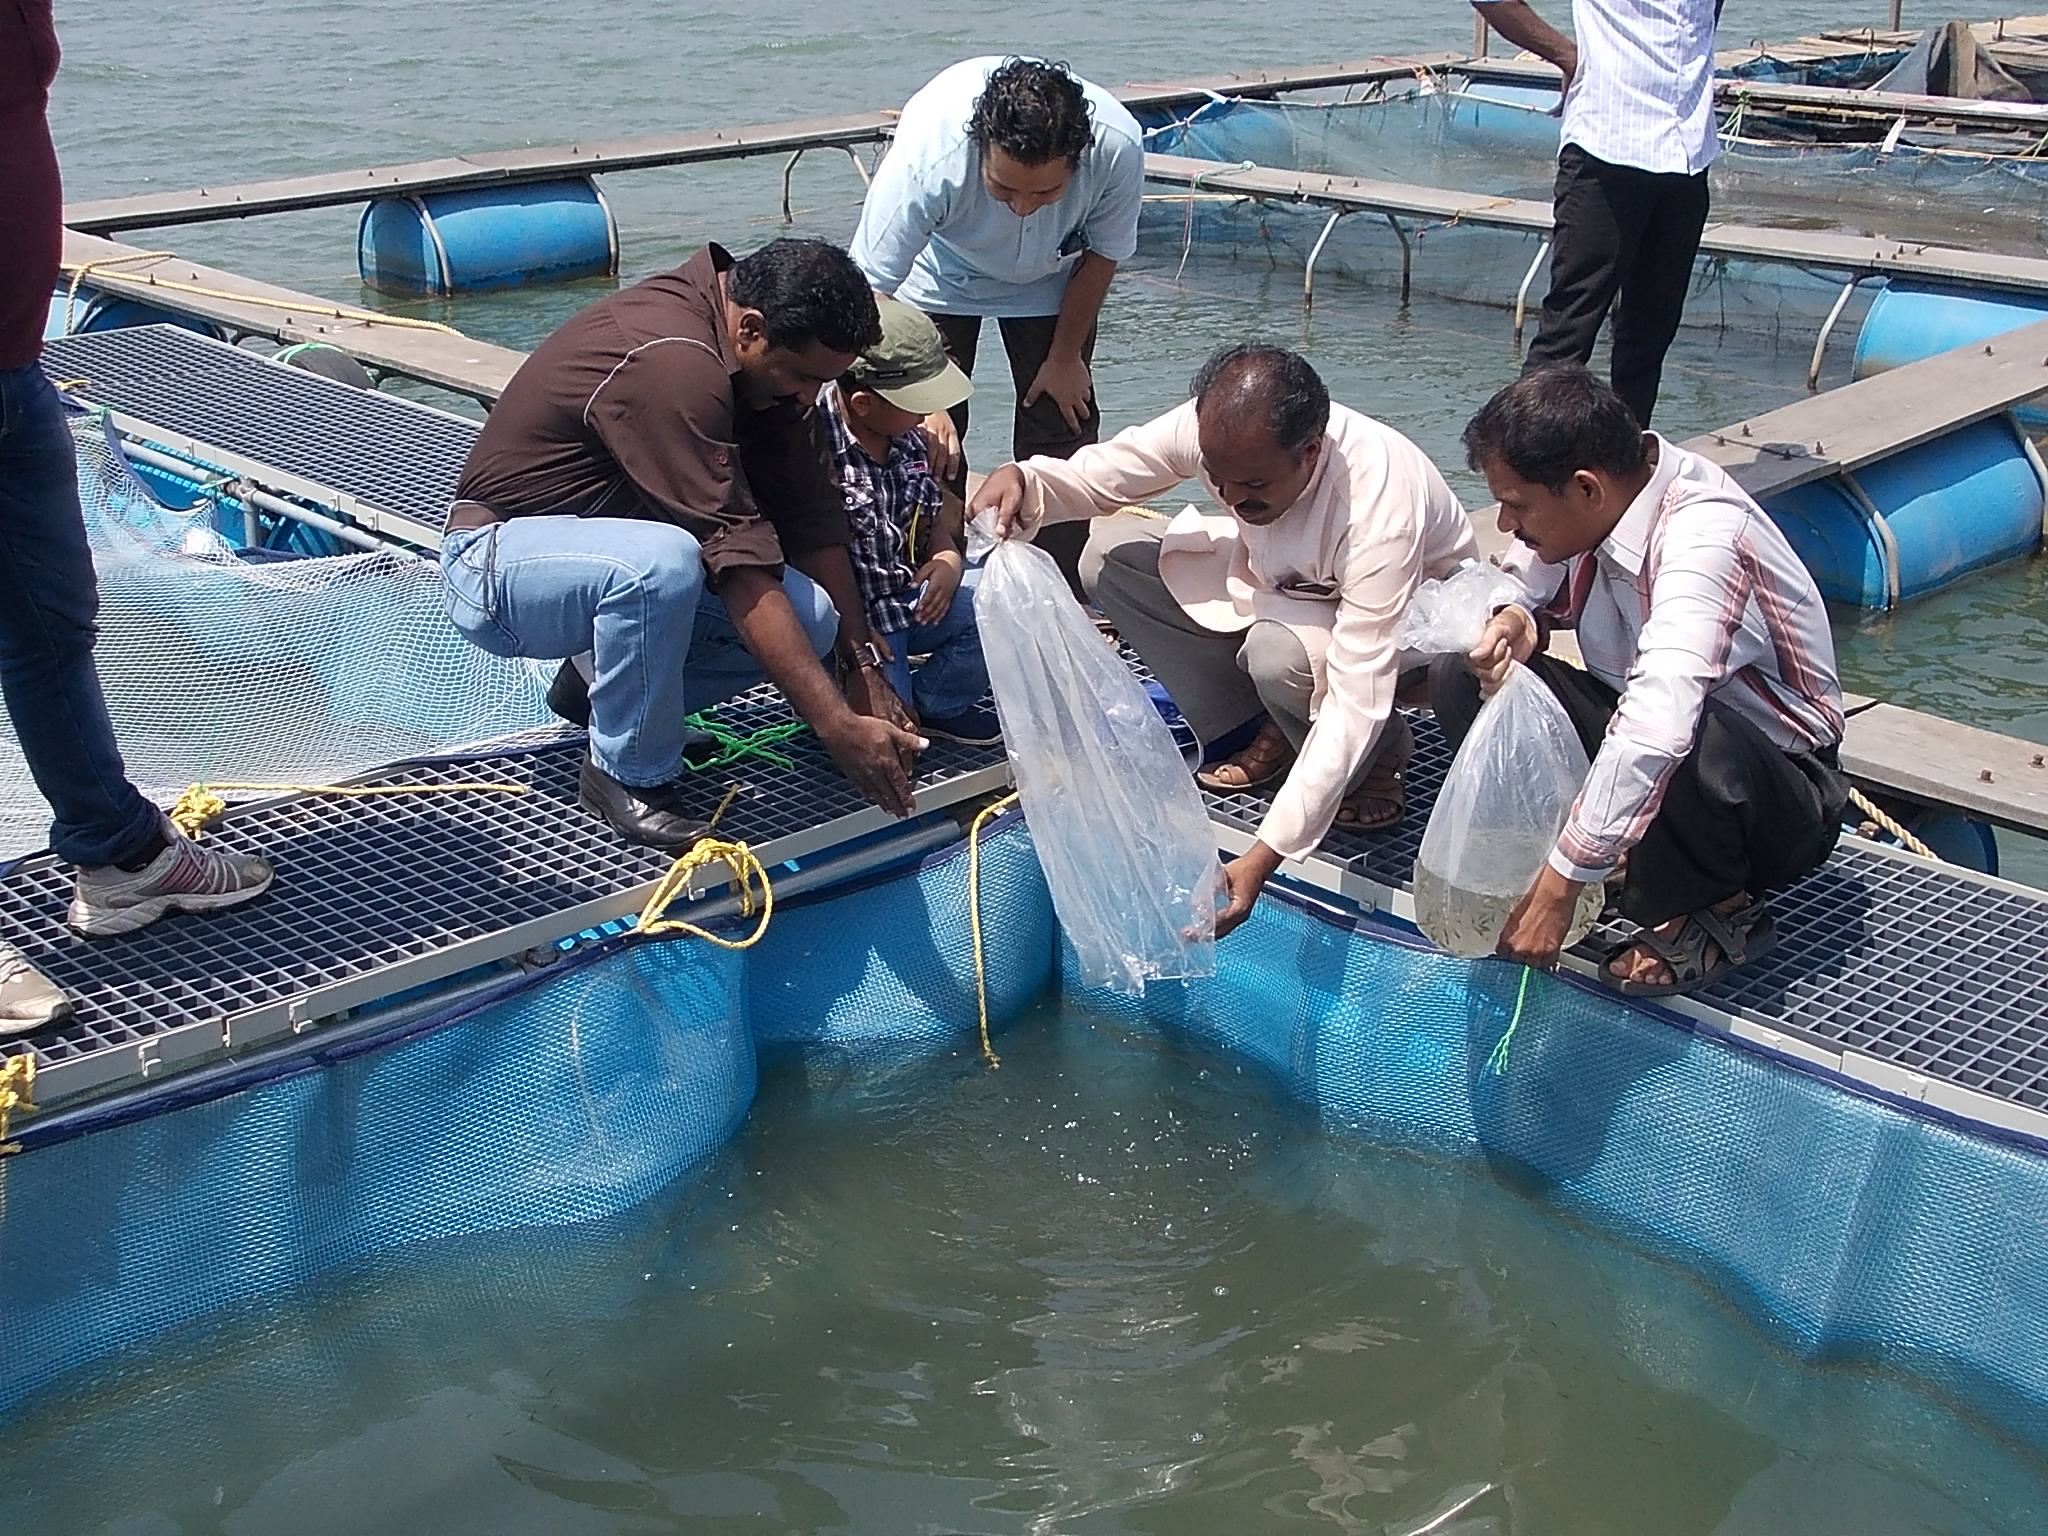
[[1034, 112], [808, 291]]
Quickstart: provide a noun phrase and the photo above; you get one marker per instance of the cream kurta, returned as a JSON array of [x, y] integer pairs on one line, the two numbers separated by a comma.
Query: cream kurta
[[1337, 568]]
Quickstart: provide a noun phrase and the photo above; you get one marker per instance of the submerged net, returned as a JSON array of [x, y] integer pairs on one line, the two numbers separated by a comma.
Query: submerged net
[[1984, 191], [286, 671]]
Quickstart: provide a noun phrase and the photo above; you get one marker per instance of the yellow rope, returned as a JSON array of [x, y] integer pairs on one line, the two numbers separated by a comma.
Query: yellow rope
[[17, 1084], [1869, 808], [988, 1051], [742, 865], [198, 807], [81, 270]]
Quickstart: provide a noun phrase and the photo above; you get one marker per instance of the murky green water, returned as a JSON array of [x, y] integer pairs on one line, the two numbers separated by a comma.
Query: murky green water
[[1115, 1286]]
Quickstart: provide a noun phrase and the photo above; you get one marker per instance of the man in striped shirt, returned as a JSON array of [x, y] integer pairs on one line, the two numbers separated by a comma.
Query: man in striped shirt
[[1709, 702], [1631, 194]]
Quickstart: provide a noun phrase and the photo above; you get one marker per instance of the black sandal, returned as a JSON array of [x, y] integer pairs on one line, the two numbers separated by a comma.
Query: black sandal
[[1742, 936]]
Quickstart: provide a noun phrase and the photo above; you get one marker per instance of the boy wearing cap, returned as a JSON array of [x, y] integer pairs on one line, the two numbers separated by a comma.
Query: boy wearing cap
[[905, 562]]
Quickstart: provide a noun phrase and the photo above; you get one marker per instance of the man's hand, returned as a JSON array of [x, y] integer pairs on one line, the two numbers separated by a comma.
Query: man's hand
[[874, 755], [1003, 492], [942, 444], [868, 692], [1243, 878], [1509, 636], [1535, 930], [941, 577], [1067, 383]]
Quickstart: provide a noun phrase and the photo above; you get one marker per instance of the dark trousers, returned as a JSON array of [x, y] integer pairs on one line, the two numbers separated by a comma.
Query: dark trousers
[[1739, 813], [49, 608], [1619, 230], [1041, 429]]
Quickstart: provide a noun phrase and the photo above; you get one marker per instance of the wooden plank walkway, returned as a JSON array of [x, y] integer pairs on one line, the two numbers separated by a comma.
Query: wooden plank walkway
[[1845, 253], [435, 356], [505, 167], [1859, 423], [2003, 780]]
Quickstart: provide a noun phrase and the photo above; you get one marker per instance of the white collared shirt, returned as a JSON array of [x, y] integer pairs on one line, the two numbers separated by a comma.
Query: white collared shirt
[[1695, 592], [1337, 568], [1644, 93], [931, 234]]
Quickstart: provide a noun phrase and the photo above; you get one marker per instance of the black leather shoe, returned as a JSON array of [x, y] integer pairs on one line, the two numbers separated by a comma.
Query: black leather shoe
[[569, 695], [651, 816]]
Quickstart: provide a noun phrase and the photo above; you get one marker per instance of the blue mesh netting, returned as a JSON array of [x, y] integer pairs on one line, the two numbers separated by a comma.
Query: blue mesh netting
[[569, 1096], [1845, 1227]]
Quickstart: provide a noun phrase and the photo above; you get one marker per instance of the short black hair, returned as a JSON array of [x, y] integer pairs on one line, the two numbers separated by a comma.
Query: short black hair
[[808, 291], [1551, 423], [1034, 112], [1288, 394]]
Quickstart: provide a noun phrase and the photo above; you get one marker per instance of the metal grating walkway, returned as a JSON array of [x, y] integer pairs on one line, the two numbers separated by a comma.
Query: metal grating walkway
[[388, 461], [1916, 977], [375, 896]]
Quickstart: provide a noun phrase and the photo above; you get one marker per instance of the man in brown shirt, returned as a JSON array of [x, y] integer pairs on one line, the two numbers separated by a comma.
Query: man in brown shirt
[[653, 490]]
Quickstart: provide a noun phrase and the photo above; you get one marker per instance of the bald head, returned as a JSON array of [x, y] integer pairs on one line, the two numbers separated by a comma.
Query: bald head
[[1261, 413]]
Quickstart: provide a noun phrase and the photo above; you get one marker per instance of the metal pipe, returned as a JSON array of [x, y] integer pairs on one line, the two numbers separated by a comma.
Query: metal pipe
[[2034, 461], [251, 497], [1308, 276], [1888, 542], [788, 171], [1522, 293], [1897, 6], [854, 155], [1480, 29], [1407, 255], [1820, 342]]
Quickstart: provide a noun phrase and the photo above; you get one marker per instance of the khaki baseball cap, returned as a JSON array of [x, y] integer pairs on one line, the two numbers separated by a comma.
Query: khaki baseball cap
[[908, 367]]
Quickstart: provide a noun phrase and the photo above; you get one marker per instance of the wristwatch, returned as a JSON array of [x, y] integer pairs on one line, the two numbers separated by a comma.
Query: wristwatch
[[864, 656]]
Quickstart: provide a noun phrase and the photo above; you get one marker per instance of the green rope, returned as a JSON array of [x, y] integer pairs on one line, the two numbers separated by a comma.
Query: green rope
[[1497, 1063], [734, 745]]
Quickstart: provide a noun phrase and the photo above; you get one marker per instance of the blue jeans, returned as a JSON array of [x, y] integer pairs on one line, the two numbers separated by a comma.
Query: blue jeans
[[49, 605], [954, 675], [632, 593]]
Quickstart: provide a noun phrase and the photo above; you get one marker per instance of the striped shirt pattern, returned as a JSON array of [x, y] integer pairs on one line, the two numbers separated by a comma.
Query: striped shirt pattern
[[1644, 93], [882, 501], [1694, 593]]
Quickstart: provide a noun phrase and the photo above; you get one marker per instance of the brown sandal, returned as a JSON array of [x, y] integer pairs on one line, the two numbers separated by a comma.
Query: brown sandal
[[1263, 759], [1385, 786]]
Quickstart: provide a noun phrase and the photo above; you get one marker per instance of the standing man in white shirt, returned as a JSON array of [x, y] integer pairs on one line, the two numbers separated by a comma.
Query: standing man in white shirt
[[1631, 199], [1012, 189], [1284, 602], [1708, 703]]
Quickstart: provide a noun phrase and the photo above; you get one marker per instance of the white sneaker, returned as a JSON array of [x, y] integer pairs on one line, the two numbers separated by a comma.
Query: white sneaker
[[185, 877], [29, 1000]]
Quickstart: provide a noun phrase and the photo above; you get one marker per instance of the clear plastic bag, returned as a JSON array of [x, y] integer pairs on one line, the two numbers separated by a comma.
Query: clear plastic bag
[[1449, 615], [1503, 803], [1120, 828]]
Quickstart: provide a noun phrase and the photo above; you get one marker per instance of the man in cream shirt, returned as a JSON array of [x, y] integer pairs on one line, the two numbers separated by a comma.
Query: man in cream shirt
[[1287, 602]]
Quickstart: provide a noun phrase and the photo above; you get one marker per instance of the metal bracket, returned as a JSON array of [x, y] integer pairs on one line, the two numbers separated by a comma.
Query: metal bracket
[[1820, 343], [1522, 293]]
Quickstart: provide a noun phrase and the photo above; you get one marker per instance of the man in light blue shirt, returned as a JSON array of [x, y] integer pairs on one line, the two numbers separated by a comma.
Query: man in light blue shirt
[[1012, 189]]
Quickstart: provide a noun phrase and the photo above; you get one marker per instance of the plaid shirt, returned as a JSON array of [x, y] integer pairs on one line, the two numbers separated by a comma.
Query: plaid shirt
[[882, 501]]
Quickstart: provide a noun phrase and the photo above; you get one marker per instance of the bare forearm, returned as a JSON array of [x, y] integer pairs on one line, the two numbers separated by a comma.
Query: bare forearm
[[1520, 25], [769, 629], [832, 568], [1082, 304]]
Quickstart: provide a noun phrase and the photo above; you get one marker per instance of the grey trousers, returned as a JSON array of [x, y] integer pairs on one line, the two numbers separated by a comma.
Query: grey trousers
[[1218, 681]]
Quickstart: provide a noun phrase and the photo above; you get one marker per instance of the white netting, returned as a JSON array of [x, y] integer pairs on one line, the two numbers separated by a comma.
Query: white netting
[[294, 671]]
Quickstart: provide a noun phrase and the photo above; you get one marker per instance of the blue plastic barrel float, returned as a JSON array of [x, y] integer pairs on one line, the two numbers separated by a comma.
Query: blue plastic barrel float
[[1912, 523], [1483, 113], [96, 311], [1908, 321], [472, 239]]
